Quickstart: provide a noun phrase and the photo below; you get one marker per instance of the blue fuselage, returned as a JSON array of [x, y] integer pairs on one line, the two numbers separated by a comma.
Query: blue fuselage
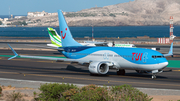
[[138, 56]]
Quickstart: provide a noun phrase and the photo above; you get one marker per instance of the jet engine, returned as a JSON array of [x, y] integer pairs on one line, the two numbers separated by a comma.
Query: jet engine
[[98, 68]]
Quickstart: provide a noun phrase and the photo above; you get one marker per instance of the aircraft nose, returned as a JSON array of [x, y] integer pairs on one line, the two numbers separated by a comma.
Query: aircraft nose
[[165, 64]]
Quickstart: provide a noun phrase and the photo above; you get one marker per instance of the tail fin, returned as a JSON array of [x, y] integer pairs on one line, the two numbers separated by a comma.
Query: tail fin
[[66, 37], [55, 38], [170, 51]]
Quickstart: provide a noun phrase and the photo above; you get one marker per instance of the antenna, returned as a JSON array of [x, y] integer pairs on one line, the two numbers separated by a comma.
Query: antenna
[[171, 29]]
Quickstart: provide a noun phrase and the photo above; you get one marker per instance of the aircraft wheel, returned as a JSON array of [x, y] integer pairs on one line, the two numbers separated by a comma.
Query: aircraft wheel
[[153, 76], [121, 72]]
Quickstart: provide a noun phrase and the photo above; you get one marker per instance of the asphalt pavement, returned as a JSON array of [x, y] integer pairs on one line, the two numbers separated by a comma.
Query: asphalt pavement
[[52, 71]]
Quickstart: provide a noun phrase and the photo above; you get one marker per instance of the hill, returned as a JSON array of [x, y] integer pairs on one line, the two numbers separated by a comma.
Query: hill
[[138, 12], [133, 13]]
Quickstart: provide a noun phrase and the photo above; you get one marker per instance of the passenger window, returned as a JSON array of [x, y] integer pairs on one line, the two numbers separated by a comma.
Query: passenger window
[[157, 56]]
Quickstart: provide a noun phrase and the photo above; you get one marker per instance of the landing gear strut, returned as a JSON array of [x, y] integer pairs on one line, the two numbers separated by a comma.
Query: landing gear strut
[[121, 72], [153, 76]]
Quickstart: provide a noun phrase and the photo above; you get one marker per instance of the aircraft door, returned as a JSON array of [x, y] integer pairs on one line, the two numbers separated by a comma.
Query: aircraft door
[[106, 56], [145, 57]]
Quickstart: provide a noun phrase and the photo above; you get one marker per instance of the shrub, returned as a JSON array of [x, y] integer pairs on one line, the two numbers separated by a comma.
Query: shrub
[[0, 89], [112, 15], [128, 93], [54, 92], [14, 96], [69, 94], [19, 23], [66, 92], [91, 93]]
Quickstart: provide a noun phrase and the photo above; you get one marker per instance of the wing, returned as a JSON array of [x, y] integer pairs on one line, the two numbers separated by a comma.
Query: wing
[[59, 59]]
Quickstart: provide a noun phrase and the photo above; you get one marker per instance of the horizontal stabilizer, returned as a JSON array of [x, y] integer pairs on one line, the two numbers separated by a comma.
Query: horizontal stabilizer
[[15, 54]]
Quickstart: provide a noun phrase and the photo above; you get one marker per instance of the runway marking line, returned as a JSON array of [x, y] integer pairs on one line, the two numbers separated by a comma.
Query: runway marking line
[[45, 61], [90, 79], [86, 73], [177, 70]]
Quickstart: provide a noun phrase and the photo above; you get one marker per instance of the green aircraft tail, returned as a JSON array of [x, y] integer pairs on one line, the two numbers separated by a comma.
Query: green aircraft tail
[[55, 38]]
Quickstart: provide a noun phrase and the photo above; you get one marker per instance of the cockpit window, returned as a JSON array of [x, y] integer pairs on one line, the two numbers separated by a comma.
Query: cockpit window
[[154, 56]]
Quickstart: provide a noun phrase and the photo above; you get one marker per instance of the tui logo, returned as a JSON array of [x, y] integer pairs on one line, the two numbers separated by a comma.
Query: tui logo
[[64, 34], [137, 56]]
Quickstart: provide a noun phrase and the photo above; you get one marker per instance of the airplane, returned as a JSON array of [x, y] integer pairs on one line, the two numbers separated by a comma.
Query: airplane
[[56, 41], [101, 59]]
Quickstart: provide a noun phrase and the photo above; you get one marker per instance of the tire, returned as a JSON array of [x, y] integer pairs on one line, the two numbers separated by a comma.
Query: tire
[[121, 72]]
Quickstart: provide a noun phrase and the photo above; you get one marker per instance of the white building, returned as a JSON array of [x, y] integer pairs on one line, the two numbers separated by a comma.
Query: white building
[[37, 14], [1, 19], [18, 17], [54, 13], [5, 19]]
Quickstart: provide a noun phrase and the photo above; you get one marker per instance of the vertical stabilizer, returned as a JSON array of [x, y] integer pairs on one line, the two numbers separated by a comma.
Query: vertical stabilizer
[[55, 38], [170, 51], [66, 37]]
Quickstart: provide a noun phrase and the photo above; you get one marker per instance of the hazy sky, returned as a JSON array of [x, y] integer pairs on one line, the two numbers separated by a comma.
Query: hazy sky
[[21, 7]]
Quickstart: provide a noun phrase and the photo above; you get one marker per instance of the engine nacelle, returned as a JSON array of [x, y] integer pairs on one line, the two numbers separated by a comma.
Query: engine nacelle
[[98, 68]]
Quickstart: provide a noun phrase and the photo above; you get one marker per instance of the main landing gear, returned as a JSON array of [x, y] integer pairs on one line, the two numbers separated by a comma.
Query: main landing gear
[[121, 72], [153, 76]]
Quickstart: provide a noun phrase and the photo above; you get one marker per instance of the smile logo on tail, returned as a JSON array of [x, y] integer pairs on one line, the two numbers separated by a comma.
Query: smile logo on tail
[[62, 34]]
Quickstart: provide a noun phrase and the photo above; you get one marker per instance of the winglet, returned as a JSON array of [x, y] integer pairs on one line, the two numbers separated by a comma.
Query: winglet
[[15, 54], [170, 51]]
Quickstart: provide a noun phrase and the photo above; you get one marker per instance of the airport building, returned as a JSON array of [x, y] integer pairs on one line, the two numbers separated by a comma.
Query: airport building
[[39, 14]]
